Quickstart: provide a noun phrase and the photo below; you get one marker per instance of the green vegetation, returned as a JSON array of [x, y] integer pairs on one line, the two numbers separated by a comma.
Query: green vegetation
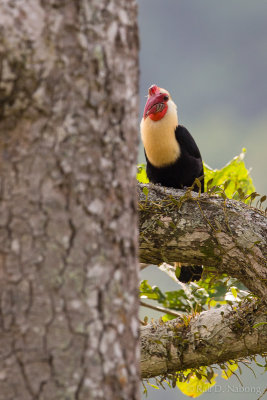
[[234, 178]]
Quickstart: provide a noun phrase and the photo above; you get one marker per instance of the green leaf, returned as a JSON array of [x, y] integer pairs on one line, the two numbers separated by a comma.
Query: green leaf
[[234, 178], [259, 324], [177, 271], [228, 371], [234, 291], [141, 173], [263, 198], [167, 317], [198, 383], [149, 292], [226, 184], [209, 183], [154, 386], [145, 191]]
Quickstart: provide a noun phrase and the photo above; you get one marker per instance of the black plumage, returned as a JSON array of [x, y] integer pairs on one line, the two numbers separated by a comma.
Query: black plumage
[[185, 169]]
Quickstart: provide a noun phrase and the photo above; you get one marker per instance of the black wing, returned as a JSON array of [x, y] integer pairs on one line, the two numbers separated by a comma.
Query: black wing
[[187, 142], [191, 153]]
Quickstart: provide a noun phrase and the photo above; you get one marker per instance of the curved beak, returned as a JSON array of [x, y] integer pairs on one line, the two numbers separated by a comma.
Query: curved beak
[[153, 105]]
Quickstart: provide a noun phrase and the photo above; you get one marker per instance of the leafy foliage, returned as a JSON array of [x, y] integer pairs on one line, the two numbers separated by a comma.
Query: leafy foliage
[[193, 299], [231, 181], [234, 177]]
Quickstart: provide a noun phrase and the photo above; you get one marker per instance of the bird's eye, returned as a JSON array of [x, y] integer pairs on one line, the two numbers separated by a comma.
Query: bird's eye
[[166, 98]]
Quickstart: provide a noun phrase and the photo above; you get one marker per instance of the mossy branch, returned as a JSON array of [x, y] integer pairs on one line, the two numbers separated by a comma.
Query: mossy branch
[[179, 225], [206, 339]]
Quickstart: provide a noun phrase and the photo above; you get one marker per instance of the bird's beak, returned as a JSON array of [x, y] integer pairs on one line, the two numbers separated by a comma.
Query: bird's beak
[[154, 104]]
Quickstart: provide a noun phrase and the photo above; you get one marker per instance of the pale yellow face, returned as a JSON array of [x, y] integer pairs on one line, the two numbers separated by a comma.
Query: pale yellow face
[[165, 91], [159, 138]]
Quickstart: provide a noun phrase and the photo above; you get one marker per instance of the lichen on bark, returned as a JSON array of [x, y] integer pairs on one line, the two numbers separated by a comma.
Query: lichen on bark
[[206, 339], [176, 225]]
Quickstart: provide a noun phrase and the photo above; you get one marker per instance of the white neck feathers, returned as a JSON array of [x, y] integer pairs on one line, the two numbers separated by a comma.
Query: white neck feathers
[[159, 139]]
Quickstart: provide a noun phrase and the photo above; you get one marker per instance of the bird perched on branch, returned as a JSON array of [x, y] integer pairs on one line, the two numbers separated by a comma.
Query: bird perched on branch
[[173, 158]]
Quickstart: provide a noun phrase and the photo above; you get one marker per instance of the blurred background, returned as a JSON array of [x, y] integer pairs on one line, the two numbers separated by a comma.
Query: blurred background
[[212, 57]]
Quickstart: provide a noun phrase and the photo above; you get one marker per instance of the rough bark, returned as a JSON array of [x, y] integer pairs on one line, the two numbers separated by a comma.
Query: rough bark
[[176, 225], [68, 237], [203, 230], [213, 336]]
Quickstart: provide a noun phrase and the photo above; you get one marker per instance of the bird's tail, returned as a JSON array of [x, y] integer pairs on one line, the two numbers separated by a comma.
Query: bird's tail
[[188, 273]]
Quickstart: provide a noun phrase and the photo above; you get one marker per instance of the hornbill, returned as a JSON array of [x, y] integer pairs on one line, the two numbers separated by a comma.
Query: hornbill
[[173, 158]]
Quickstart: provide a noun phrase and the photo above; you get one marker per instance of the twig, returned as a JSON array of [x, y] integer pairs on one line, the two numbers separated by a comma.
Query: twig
[[160, 309], [261, 396]]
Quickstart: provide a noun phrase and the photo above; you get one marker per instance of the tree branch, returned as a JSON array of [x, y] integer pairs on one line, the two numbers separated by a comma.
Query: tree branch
[[179, 226], [207, 339], [176, 225]]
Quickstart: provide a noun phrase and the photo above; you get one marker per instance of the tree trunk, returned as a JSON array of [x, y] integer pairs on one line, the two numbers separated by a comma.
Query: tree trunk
[[68, 273]]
